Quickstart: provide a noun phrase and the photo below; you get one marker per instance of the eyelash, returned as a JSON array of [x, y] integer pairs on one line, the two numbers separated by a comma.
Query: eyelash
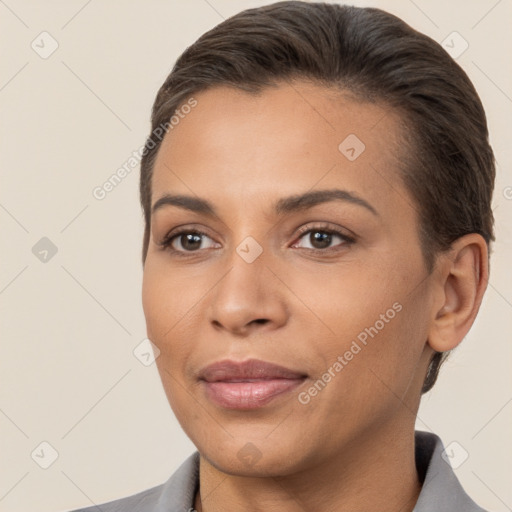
[[166, 243]]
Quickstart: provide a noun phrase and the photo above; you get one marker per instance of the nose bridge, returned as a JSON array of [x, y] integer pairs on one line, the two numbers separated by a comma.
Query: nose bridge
[[248, 291], [244, 284]]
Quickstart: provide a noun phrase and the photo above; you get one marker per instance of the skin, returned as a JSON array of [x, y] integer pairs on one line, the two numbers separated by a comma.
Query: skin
[[352, 446]]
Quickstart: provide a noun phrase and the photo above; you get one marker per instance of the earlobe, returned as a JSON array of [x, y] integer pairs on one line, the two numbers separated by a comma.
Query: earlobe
[[462, 278]]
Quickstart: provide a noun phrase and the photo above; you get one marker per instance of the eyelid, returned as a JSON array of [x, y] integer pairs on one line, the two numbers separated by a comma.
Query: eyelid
[[185, 228]]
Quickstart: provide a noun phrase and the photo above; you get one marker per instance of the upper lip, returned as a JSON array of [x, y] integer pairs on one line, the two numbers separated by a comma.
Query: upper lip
[[249, 370]]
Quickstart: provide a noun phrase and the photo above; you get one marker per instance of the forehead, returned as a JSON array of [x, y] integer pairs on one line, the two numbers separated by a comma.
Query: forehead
[[284, 140]]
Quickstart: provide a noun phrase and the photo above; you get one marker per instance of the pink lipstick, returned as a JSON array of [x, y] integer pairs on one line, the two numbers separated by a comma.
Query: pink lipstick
[[248, 384]]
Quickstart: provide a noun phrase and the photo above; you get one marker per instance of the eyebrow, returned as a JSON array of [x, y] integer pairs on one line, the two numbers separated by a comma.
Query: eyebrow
[[284, 205]]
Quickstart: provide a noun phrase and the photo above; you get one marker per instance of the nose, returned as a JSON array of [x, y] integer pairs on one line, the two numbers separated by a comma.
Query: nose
[[248, 298]]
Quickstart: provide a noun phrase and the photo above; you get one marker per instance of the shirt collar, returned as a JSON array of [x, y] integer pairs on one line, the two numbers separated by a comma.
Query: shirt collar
[[441, 489]]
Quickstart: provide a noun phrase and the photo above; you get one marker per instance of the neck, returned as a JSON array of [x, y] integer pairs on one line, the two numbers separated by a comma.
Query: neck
[[377, 472]]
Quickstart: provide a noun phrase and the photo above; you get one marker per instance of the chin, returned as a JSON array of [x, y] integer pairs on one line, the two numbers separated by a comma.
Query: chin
[[253, 464], [254, 457]]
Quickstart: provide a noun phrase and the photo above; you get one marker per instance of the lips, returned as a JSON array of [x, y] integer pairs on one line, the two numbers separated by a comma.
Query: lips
[[248, 384]]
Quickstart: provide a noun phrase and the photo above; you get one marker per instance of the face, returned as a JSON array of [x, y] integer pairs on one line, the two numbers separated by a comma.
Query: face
[[286, 292]]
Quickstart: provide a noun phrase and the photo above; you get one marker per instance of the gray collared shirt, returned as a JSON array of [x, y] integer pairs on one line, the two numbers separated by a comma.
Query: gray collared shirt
[[440, 492]]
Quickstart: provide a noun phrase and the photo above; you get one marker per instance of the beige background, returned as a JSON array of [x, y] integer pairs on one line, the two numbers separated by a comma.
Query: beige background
[[70, 325]]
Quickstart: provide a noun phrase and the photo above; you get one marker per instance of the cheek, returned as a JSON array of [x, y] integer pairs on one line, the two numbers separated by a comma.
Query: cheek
[[172, 311], [371, 330], [166, 300], [387, 367], [165, 309], [151, 292], [345, 303]]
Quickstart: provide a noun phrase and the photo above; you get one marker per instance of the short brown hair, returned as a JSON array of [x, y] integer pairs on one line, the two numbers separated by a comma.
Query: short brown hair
[[377, 57]]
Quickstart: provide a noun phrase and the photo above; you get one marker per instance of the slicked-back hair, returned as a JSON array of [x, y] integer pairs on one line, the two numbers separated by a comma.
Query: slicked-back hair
[[448, 167]]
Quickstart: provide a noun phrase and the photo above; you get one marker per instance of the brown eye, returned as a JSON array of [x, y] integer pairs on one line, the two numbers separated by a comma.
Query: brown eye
[[187, 241], [321, 239]]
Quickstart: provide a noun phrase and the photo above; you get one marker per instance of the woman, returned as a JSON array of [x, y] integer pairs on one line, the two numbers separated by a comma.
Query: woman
[[316, 190]]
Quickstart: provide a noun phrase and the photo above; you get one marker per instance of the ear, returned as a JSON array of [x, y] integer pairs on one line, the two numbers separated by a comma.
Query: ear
[[462, 277]]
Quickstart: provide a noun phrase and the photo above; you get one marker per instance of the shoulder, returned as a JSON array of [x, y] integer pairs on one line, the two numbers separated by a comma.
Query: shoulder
[[177, 494], [142, 501]]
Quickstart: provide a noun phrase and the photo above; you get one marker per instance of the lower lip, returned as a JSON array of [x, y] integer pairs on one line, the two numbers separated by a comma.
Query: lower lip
[[249, 395]]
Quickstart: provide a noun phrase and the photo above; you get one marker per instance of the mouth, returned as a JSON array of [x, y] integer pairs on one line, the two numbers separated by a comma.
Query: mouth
[[248, 384]]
